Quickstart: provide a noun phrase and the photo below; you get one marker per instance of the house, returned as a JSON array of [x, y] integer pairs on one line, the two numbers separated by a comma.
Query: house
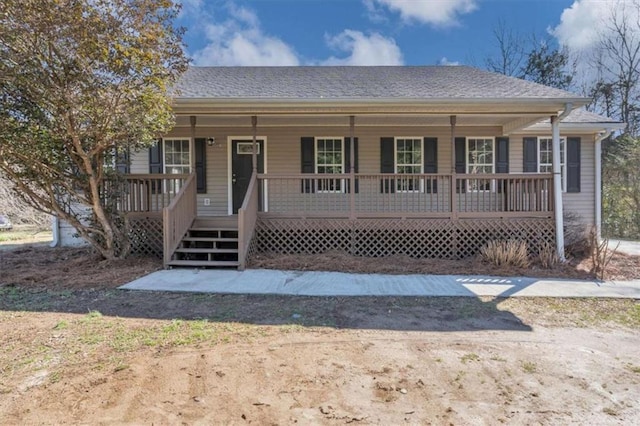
[[428, 161]]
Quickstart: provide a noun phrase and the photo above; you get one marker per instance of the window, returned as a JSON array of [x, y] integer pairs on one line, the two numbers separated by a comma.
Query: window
[[408, 160], [177, 158], [330, 160], [545, 158], [480, 160]]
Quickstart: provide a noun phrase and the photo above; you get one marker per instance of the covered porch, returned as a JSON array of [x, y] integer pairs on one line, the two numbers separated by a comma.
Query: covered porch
[[446, 216]]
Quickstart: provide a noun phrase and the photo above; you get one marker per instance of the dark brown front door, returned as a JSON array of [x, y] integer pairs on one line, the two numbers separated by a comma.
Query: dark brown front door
[[242, 167]]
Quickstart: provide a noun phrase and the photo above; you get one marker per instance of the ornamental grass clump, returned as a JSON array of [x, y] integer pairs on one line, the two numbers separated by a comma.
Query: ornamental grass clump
[[506, 253]]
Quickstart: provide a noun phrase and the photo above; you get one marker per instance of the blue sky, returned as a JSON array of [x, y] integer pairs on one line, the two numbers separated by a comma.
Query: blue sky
[[376, 32]]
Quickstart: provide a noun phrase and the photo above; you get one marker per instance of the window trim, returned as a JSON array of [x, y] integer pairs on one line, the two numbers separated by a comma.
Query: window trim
[[468, 163], [398, 182], [341, 182], [563, 161]]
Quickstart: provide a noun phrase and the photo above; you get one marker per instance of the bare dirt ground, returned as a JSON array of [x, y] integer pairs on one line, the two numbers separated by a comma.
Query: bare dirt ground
[[75, 350]]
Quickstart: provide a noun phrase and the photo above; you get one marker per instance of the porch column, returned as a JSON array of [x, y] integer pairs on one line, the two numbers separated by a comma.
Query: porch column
[[192, 144], [352, 168], [254, 154], [454, 205], [557, 187]]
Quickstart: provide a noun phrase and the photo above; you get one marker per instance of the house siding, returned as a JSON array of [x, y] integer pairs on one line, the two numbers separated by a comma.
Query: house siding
[[580, 203], [283, 157]]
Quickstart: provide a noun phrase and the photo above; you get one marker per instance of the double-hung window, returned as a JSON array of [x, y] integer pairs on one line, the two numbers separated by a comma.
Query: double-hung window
[[177, 156], [545, 158], [177, 160], [480, 160], [408, 161], [330, 160]]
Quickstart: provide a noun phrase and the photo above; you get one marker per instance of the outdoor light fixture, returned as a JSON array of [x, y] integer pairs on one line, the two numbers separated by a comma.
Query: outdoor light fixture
[[211, 141]]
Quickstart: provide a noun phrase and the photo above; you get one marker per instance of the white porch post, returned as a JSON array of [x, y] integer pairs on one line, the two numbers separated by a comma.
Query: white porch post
[[352, 168], [254, 154], [192, 144], [454, 179], [557, 187]]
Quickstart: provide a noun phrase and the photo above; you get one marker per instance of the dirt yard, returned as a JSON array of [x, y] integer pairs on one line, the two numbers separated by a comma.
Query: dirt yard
[[75, 350]]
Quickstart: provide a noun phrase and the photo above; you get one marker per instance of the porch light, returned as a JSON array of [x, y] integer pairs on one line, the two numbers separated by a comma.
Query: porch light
[[211, 141]]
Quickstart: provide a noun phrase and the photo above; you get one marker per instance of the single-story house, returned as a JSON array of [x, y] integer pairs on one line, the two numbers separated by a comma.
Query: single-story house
[[427, 161]]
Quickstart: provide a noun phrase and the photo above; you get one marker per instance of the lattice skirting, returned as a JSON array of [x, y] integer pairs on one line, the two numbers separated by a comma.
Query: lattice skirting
[[145, 235], [420, 238]]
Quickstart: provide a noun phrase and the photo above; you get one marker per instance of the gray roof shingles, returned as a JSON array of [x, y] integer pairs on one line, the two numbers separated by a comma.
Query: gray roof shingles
[[363, 83], [581, 115]]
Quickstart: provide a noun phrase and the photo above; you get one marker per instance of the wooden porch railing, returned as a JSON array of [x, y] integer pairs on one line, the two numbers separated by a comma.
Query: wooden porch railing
[[142, 193], [416, 195], [247, 217], [178, 216]]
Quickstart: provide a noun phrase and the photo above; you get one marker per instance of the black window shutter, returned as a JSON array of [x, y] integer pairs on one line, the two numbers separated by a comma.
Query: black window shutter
[[156, 164], [530, 155], [461, 162], [347, 159], [123, 165], [502, 159], [201, 170], [155, 157], [431, 163], [502, 154], [573, 164], [387, 164], [307, 162]]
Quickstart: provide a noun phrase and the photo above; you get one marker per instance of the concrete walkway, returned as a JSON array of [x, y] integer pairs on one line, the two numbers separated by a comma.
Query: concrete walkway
[[624, 246], [260, 281]]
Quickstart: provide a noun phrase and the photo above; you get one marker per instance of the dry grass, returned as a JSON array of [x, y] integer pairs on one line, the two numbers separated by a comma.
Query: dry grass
[[547, 256], [506, 253]]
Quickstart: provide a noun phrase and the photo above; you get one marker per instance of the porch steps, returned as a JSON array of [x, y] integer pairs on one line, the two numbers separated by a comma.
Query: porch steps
[[209, 243]]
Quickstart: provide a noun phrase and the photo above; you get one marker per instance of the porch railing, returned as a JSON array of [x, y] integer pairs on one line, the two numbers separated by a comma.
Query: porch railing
[[142, 193], [178, 216], [415, 195], [247, 217]]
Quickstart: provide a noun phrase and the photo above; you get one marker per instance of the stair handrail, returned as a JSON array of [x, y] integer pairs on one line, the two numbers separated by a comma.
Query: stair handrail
[[178, 217], [247, 218]]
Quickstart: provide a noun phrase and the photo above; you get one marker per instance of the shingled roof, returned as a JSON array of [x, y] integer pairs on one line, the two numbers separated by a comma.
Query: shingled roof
[[358, 83]]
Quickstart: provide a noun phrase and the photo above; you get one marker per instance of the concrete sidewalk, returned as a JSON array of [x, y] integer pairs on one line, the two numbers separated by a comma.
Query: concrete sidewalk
[[299, 283]]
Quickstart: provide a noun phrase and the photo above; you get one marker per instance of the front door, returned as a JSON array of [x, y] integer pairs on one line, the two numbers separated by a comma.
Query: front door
[[242, 167]]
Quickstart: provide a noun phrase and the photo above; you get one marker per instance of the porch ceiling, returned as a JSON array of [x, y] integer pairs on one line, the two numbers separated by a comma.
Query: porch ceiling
[[508, 122]]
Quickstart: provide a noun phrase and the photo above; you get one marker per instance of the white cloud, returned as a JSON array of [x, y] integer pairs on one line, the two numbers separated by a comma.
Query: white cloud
[[582, 24], [373, 49], [240, 41], [439, 13], [445, 61]]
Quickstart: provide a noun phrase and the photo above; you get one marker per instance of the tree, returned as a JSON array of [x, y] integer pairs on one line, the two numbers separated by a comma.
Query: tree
[[78, 79], [549, 66], [617, 65], [621, 189], [511, 51], [529, 59]]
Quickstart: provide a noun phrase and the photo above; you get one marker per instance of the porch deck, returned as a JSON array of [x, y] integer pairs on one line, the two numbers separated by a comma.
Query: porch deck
[[426, 215]]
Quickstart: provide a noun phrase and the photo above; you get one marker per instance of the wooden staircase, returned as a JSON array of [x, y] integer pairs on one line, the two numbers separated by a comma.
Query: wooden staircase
[[209, 243]]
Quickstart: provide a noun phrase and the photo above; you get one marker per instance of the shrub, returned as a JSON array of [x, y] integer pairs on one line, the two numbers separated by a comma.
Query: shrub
[[547, 255], [576, 236], [506, 253], [601, 253]]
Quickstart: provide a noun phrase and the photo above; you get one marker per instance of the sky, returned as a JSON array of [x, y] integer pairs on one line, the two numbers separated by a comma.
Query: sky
[[377, 32]]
